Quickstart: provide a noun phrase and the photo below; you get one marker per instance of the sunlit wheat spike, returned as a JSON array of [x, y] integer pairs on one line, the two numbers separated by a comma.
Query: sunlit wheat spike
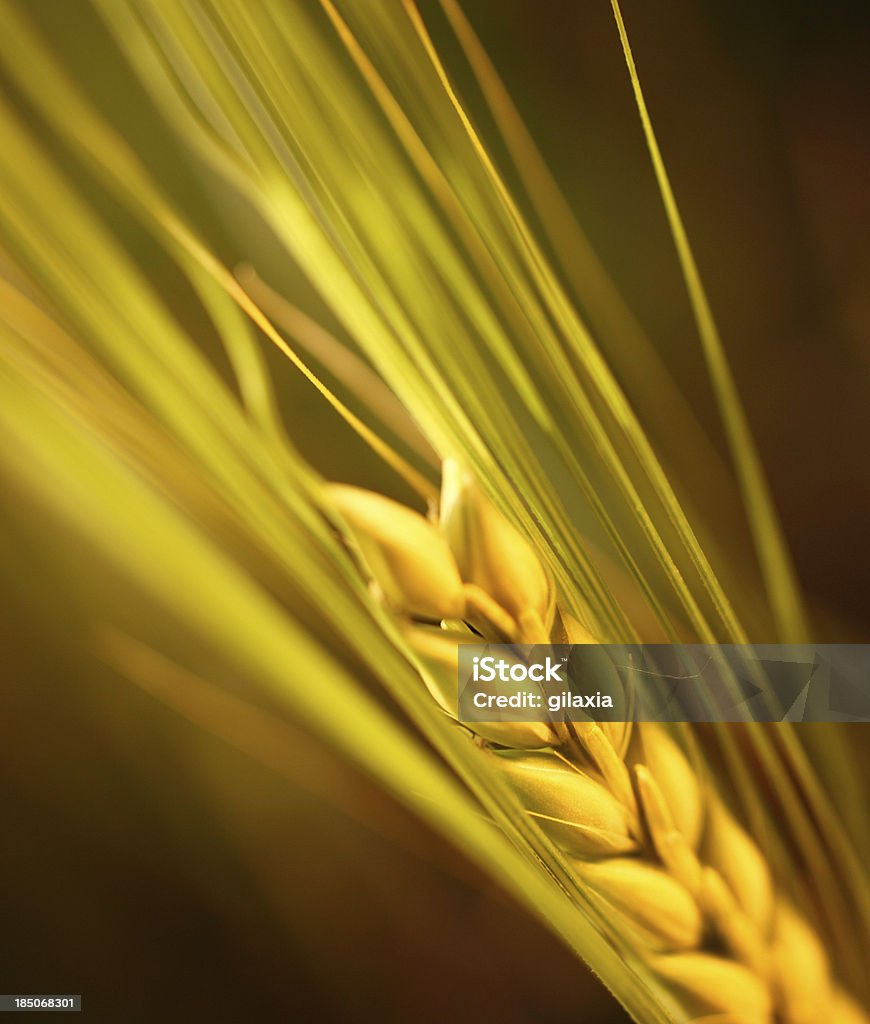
[[689, 891], [341, 130]]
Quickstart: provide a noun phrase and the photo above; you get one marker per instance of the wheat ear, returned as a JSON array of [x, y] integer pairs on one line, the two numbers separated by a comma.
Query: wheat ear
[[657, 850]]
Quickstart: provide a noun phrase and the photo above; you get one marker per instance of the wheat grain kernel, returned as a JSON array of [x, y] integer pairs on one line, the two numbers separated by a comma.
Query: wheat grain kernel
[[676, 779], [575, 810], [737, 858], [489, 551], [801, 969], [651, 899], [712, 985], [407, 556]]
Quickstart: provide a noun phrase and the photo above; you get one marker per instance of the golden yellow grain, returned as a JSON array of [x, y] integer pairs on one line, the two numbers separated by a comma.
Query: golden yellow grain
[[650, 898], [408, 558], [492, 554], [712, 984], [580, 813], [666, 862]]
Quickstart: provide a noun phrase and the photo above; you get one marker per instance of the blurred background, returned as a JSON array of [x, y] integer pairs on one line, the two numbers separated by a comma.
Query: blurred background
[[168, 873]]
